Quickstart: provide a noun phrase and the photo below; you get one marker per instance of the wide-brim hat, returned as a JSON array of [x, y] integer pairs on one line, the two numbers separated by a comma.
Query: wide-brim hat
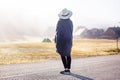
[[65, 14]]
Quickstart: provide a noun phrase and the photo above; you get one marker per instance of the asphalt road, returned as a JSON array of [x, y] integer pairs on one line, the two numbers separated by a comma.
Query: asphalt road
[[92, 68]]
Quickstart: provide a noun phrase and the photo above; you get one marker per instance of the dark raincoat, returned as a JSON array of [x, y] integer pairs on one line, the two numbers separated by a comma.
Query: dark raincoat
[[64, 37]]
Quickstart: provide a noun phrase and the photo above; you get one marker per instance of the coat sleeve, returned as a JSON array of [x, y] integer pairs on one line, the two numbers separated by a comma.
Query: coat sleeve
[[55, 39], [57, 28]]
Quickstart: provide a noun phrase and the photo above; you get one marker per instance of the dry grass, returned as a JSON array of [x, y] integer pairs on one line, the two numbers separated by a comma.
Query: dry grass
[[96, 47], [35, 52]]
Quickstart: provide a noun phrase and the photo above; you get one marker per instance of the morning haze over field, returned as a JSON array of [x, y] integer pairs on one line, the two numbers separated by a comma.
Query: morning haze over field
[[32, 19]]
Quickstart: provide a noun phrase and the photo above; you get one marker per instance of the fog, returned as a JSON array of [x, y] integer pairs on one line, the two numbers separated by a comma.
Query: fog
[[35, 19], [18, 26]]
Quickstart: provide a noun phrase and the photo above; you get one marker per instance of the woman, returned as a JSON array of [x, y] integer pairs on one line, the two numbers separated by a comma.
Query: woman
[[63, 39]]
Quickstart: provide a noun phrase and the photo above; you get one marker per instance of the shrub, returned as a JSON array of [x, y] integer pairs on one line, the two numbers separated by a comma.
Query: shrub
[[46, 40]]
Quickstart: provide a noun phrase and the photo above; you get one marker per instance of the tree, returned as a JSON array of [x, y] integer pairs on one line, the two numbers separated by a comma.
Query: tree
[[46, 40]]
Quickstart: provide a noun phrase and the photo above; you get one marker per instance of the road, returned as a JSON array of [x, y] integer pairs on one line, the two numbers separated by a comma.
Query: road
[[92, 68]]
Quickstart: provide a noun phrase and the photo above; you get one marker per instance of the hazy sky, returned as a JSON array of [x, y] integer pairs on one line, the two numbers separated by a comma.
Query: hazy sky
[[40, 14]]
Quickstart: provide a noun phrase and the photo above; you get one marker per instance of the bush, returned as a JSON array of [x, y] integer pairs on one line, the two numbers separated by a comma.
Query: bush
[[46, 40], [114, 50]]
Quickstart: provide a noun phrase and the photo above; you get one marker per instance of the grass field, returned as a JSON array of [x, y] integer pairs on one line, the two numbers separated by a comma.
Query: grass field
[[37, 51]]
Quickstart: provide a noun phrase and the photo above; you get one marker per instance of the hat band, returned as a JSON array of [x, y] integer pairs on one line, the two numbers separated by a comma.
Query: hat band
[[66, 14]]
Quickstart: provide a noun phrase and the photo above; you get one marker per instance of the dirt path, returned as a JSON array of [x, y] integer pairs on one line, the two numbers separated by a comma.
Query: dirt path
[[93, 68]]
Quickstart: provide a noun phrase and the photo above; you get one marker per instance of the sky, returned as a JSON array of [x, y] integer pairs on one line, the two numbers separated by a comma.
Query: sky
[[38, 15]]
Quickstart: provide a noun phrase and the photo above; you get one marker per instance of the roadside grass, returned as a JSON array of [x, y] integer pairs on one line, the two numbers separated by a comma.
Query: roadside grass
[[94, 47], [38, 51]]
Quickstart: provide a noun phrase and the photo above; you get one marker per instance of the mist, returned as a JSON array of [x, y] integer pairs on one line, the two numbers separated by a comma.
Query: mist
[[35, 19], [18, 27]]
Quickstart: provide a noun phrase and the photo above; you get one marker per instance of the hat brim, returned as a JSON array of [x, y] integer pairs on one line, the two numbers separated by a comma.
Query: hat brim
[[65, 17]]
